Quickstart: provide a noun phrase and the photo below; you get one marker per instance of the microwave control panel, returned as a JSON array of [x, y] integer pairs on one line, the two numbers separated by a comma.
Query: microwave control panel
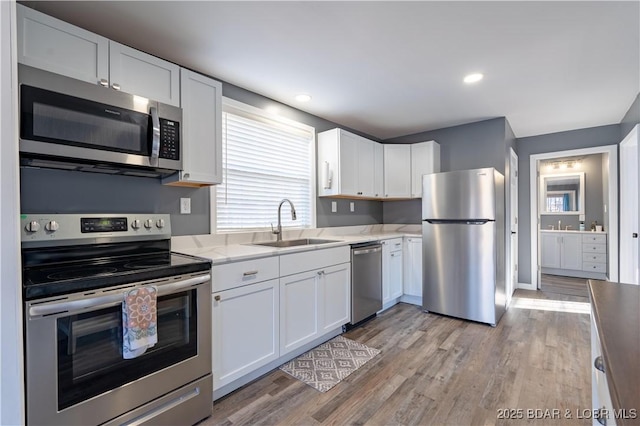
[[169, 139]]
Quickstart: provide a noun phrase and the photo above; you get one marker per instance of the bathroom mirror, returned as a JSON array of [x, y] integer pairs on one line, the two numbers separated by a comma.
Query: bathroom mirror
[[562, 194]]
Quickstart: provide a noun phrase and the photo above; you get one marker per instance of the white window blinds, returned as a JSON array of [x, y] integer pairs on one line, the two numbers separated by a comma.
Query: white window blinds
[[264, 161]]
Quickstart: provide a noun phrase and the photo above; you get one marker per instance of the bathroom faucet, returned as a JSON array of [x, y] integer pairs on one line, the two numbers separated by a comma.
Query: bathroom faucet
[[559, 224], [278, 230]]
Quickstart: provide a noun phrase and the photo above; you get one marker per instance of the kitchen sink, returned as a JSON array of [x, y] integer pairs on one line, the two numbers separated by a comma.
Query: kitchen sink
[[299, 242]]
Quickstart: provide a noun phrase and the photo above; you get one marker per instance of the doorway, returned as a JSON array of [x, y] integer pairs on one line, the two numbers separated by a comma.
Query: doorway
[[609, 182], [512, 271]]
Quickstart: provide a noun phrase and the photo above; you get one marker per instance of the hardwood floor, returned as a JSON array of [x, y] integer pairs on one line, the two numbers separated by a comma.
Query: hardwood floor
[[564, 285], [435, 370]]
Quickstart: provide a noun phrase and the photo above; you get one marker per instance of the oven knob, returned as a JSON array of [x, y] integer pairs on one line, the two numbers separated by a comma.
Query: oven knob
[[32, 226], [148, 223], [135, 224], [160, 223], [52, 226]]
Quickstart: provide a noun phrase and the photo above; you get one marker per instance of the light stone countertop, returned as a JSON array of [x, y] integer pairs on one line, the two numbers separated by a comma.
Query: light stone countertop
[[232, 248], [574, 230]]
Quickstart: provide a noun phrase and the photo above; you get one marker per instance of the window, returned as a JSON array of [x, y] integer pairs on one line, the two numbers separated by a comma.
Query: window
[[265, 158]]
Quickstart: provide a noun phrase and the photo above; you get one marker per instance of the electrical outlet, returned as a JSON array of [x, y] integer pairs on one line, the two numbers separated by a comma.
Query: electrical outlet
[[185, 205], [352, 206], [334, 206]]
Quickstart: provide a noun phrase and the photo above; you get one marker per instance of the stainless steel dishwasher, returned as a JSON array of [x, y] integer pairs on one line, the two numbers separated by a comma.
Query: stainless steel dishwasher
[[366, 281]]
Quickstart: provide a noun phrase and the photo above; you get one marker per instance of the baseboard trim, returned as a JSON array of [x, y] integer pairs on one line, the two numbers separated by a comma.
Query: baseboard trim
[[526, 286]]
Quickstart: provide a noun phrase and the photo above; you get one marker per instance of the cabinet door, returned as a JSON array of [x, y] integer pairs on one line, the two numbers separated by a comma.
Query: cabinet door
[[571, 255], [245, 330], [391, 269], [335, 290], [348, 164], [550, 250], [397, 171], [50, 44], [413, 267], [141, 74], [201, 100], [366, 171], [425, 159], [299, 316], [378, 170]]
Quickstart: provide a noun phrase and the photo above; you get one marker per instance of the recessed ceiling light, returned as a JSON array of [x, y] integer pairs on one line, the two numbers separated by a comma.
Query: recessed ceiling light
[[473, 78], [303, 97]]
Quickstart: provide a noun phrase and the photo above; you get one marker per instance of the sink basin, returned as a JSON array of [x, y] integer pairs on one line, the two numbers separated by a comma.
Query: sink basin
[[292, 243]]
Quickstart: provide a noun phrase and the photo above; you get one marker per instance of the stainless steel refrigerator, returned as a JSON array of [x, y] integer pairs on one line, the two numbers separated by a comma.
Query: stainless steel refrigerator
[[463, 240]]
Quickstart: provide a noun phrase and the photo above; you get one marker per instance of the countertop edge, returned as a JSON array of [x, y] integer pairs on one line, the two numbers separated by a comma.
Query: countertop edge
[[615, 371]]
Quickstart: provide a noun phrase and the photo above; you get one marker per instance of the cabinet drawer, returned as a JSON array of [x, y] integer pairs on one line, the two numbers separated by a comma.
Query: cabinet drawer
[[594, 248], [596, 238], [237, 274], [313, 259], [594, 257], [594, 267], [394, 244]]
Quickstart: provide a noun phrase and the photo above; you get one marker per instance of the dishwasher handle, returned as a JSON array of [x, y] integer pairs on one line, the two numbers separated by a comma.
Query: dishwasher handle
[[366, 250]]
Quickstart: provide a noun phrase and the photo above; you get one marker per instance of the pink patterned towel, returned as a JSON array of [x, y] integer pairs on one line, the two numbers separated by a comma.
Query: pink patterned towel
[[139, 321]]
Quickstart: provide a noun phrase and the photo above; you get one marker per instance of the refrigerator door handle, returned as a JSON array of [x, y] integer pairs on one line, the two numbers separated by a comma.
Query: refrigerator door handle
[[460, 222]]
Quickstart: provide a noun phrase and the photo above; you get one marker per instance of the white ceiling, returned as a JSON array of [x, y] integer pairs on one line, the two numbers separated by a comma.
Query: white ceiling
[[390, 68]]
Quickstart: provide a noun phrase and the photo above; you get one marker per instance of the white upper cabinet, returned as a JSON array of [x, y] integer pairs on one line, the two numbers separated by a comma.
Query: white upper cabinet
[[201, 100], [139, 73], [378, 166], [397, 171], [47, 43], [425, 159], [347, 165]]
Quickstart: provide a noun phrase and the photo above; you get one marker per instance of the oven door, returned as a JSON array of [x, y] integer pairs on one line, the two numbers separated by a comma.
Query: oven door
[[74, 366]]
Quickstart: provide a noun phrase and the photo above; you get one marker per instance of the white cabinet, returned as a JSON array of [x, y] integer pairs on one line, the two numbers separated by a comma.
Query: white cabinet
[[425, 159], [576, 254], [561, 250], [201, 100], [391, 271], [378, 166], [299, 316], [347, 165], [413, 267], [550, 250], [600, 395], [53, 45], [139, 73], [315, 295], [47, 43], [397, 171], [245, 330]]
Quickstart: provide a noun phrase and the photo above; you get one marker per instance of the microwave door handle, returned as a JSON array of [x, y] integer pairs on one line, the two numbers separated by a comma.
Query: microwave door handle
[[155, 143]]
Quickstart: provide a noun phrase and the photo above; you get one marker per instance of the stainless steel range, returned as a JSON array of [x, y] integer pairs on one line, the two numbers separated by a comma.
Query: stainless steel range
[[76, 271]]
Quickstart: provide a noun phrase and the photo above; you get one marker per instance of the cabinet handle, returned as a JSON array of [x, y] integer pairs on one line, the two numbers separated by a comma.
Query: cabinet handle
[[115, 86], [398, 244], [103, 82], [634, 235], [186, 175], [600, 416], [217, 298], [320, 273], [598, 363], [250, 273]]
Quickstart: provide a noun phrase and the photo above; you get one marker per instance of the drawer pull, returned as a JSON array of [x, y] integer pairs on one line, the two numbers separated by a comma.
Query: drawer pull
[[598, 363], [217, 298], [250, 273]]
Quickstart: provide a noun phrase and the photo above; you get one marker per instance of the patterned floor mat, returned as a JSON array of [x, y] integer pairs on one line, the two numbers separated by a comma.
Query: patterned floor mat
[[326, 365]]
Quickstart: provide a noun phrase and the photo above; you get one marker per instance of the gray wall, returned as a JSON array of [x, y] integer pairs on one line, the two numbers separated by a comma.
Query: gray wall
[[469, 146], [574, 139], [631, 118], [593, 194], [49, 191]]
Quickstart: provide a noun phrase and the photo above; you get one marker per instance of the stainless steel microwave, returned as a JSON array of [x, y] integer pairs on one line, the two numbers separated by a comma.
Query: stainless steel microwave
[[71, 124]]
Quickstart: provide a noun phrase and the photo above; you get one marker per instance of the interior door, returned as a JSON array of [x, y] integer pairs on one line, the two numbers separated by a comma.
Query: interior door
[[512, 273], [629, 208]]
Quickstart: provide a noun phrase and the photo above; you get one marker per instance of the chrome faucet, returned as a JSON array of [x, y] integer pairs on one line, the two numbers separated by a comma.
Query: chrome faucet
[[278, 230], [559, 225]]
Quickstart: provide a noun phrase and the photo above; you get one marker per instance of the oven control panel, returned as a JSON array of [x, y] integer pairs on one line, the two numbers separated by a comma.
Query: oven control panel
[[42, 229]]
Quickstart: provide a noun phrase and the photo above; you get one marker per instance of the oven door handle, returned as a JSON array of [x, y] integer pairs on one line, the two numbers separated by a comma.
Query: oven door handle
[[74, 306]]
